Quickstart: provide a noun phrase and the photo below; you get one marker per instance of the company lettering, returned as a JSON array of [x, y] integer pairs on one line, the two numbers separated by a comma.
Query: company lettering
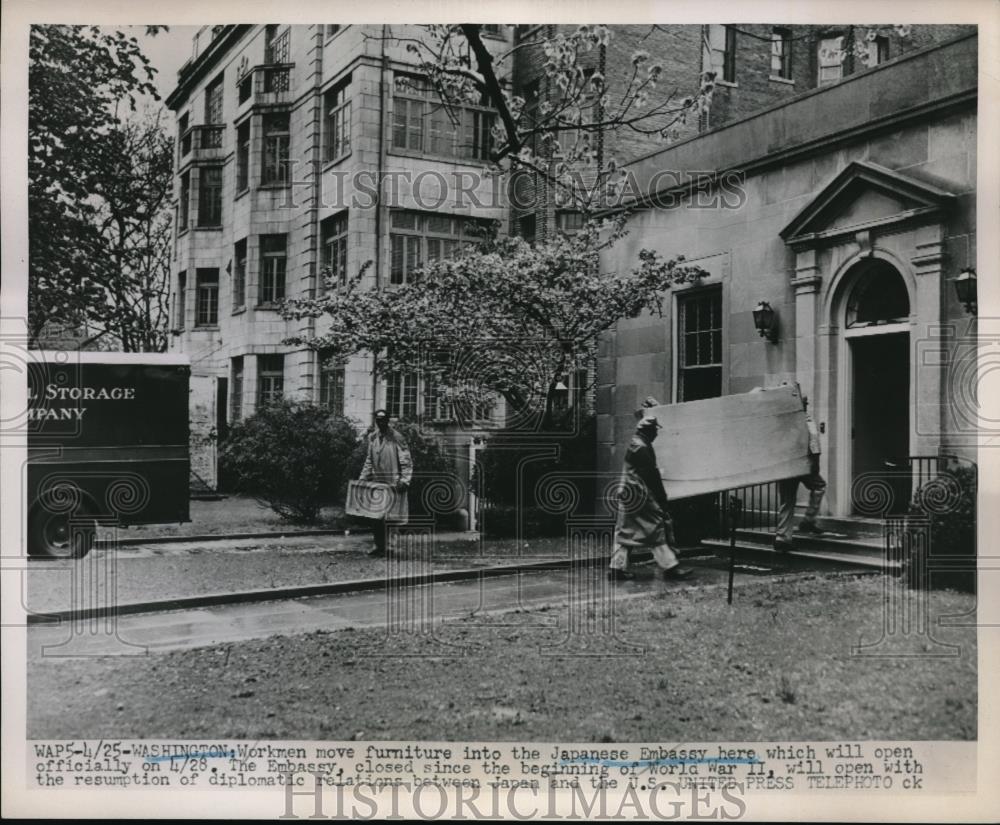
[[54, 393]]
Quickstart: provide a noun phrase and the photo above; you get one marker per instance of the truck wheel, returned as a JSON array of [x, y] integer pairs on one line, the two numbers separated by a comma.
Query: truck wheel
[[51, 536]]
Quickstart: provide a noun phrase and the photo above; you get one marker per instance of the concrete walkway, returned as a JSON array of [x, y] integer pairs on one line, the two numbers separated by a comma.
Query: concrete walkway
[[401, 610]]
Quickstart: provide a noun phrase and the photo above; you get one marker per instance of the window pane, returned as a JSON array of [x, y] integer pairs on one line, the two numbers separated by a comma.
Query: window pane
[[213, 102], [441, 134], [207, 298], [396, 265], [781, 46], [181, 298], [270, 378], [699, 356], [343, 131], [185, 201], [415, 125], [276, 149], [239, 273], [278, 46], [399, 124], [242, 157], [404, 220], [236, 389], [331, 392], [441, 224], [210, 196], [272, 270], [337, 126], [831, 59], [410, 397], [729, 60], [412, 256]]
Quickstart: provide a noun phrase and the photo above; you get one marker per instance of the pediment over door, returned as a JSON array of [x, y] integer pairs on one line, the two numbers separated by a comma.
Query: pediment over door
[[864, 197]]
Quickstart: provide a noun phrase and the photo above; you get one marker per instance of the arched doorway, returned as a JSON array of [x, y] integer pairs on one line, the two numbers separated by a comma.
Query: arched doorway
[[876, 332]]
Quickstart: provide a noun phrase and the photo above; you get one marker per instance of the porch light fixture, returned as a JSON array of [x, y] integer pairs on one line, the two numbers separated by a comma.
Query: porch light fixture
[[965, 288], [765, 320]]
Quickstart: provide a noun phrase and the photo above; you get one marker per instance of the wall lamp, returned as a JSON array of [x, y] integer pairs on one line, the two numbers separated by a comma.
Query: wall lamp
[[765, 320], [965, 288]]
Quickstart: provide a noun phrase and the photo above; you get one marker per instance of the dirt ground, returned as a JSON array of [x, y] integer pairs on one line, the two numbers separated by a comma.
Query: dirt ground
[[230, 515], [684, 666]]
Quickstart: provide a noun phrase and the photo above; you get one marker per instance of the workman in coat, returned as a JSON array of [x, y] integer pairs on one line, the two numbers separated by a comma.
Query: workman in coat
[[643, 520], [788, 491], [387, 462]]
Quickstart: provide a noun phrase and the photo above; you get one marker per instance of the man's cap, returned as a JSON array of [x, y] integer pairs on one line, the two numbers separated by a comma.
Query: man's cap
[[648, 422], [381, 415], [649, 402]]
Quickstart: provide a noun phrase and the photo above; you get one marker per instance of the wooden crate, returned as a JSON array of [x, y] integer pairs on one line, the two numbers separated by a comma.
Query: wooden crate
[[370, 499], [732, 441]]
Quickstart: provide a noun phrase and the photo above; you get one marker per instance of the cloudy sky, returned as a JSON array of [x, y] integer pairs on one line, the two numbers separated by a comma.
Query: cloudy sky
[[167, 52]]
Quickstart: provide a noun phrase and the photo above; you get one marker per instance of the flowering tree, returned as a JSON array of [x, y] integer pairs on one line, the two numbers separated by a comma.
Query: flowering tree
[[502, 317], [554, 132]]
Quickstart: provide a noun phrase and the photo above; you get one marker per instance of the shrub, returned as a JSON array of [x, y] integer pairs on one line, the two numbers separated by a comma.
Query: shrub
[[292, 456], [430, 465], [949, 503]]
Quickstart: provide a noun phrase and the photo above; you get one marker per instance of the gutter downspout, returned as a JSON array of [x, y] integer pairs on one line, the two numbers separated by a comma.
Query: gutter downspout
[[378, 198]]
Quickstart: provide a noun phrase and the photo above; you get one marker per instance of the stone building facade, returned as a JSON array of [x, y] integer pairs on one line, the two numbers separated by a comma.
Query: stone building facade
[[284, 133], [852, 212], [311, 148]]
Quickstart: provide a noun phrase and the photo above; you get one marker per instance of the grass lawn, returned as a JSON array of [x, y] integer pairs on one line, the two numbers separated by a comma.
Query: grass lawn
[[777, 665]]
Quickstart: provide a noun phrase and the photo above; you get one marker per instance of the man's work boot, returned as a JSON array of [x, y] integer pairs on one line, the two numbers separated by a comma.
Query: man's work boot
[[783, 545], [616, 574], [677, 573], [808, 528]]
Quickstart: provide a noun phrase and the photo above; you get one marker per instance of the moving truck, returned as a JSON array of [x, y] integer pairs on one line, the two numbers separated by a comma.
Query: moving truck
[[108, 444]]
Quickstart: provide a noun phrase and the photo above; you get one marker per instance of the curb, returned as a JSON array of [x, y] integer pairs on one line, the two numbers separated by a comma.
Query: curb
[[302, 591], [365, 585], [130, 542], [833, 557]]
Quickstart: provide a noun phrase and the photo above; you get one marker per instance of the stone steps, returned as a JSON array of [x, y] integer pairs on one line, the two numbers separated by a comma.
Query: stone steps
[[864, 547]]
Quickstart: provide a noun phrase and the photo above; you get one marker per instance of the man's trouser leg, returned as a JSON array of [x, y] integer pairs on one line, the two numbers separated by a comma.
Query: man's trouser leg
[[664, 557], [816, 486], [619, 559], [787, 491], [379, 533]]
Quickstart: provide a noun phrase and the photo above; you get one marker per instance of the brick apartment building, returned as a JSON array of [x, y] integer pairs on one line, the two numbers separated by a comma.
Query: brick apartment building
[[282, 131]]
